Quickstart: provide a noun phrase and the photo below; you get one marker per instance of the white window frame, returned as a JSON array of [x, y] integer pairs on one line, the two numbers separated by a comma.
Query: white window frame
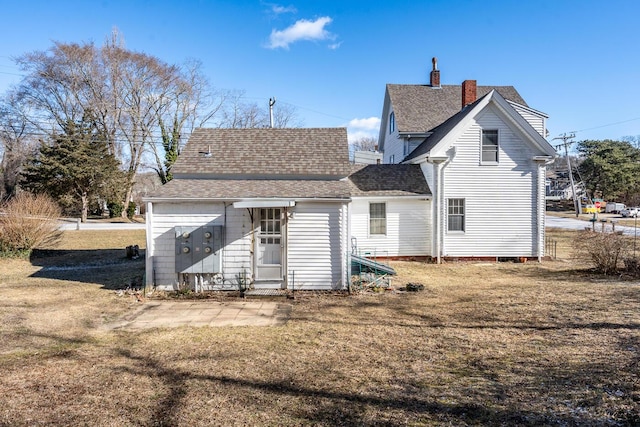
[[380, 222], [489, 148], [459, 211], [392, 122]]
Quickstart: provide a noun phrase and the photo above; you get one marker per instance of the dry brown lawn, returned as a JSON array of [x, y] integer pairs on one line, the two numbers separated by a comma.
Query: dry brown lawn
[[483, 344]]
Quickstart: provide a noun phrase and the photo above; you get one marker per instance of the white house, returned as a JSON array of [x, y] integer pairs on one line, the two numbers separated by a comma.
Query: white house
[[464, 177], [483, 153], [265, 206]]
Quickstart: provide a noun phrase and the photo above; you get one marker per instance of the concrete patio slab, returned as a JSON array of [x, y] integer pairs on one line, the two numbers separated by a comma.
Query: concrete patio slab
[[169, 314]]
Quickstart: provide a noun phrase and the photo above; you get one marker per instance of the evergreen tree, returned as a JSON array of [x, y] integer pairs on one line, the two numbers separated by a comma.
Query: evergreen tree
[[610, 169], [75, 164]]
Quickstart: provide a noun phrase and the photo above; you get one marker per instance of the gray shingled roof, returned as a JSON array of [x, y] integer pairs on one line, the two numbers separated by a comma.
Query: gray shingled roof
[[365, 180], [264, 152], [388, 180], [420, 108], [251, 188], [441, 131]]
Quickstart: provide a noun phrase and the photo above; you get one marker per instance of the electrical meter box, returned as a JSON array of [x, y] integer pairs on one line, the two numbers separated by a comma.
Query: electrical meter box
[[198, 249]]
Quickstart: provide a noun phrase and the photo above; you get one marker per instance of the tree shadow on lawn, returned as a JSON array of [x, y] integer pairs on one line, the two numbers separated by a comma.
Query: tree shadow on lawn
[[325, 406], [107, 267]]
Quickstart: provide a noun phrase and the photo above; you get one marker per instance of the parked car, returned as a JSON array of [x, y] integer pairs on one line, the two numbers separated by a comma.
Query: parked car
[[629, 212]]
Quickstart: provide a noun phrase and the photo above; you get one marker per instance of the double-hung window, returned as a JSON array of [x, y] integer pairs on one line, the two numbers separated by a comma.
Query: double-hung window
[[455, 215], [377, 218], [490, 146], [392, 122]]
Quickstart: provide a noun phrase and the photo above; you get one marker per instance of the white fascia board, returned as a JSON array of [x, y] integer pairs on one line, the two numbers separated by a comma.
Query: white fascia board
[[524, 126], [384, 125], [529, 109], [439, 151], [264, 203], [412, 197]]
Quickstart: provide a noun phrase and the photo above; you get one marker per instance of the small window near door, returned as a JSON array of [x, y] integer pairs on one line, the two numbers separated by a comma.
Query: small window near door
[[377, 218], [455, 215], [490, 146]]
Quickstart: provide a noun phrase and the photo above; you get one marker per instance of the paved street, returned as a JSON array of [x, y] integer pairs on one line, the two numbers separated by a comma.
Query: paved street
[[576, 224], [74, 224]]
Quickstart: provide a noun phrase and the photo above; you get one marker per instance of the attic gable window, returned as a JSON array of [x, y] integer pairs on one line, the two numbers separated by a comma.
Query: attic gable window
[[392, 122], [490, 146]]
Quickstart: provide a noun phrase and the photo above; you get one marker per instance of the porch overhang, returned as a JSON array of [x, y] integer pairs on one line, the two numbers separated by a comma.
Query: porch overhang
[[264, 203]]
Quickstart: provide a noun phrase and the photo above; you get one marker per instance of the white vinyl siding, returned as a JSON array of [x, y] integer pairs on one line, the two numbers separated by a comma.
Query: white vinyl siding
[[393, 148], [500, 202], [236, 255], [536, 120], [315, 240], [408, 228]]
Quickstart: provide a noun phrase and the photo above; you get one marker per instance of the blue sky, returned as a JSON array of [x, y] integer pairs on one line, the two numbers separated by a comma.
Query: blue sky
[[578, 61]]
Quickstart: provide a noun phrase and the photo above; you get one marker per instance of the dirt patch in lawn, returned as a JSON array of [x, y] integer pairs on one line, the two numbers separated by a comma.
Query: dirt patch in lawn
[[482, 344]]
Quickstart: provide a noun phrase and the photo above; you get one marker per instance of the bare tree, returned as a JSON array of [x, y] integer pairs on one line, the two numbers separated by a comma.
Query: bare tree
[[365, 143], [142, 105], [237, 113], [17, 143]]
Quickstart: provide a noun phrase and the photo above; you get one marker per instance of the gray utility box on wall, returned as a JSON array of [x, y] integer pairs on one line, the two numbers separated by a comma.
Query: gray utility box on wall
[[198, 249]]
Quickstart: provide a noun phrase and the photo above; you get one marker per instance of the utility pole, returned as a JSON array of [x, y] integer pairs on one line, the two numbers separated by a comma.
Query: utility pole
[[272, 102], [565, 142]]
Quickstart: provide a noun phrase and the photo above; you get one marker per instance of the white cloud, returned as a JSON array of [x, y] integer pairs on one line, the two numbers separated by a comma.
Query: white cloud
[[277, 9], [363, 128], [372, 123], [301, 30]]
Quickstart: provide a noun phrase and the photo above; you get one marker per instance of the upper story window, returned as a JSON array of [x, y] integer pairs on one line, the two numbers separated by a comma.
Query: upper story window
[[392, 122], [377, 218], [490, 146]]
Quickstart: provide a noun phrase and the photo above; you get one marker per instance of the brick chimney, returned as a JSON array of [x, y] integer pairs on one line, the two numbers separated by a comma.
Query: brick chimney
[[435, 73], [469, 92]]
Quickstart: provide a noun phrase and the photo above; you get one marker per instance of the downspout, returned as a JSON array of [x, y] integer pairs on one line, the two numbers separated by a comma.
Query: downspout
[[438, 207], [149, 271], [346, 271]]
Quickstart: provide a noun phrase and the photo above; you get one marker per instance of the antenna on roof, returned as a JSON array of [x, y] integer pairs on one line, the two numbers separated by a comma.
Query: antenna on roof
[[272, 102]]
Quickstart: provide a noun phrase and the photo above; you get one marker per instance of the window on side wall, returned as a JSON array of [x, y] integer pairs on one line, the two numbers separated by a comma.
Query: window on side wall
[[490, 146], [392, 122], [455, 215], [377, 218]]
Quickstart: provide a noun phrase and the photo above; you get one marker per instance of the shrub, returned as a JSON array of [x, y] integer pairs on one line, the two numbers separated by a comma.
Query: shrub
[[131, 210], [28, 221], [115, 209], [604, 250]]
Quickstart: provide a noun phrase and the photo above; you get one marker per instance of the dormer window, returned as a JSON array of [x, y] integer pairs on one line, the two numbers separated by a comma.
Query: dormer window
[[392, 122], [490, 146]]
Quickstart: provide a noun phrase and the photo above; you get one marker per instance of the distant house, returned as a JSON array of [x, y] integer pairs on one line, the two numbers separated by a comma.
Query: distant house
[[483, 153]]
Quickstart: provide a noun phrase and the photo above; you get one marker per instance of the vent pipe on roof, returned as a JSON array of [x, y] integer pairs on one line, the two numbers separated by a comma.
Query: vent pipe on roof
[[272, 101], [469, 92], [435, 73]]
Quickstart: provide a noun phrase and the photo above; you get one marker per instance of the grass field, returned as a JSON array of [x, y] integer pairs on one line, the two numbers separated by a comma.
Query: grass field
[[483, 344]]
